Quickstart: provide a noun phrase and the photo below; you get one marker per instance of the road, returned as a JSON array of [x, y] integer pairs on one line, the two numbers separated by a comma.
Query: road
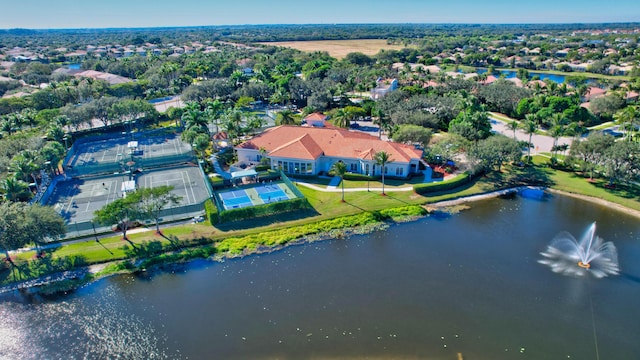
[[541, 143]]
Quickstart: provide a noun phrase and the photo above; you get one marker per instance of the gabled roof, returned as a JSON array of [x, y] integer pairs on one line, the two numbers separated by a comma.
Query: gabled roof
[[309, 143], [303, 147], [316, 116]]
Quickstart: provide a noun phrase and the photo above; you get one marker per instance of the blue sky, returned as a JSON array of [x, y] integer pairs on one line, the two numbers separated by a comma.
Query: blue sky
[[39, 14]]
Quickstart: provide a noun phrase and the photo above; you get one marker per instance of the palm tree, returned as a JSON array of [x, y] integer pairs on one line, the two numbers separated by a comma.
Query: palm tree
[[285, 117], [341, 118], [627, 117], [212, 112], [382, 158], [529, 127], [14, 189], [514, 125], [340, 169], [192, 116]]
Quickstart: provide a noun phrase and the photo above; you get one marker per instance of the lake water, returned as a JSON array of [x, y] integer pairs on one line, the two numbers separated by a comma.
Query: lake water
[[508, 74], [469, 284]]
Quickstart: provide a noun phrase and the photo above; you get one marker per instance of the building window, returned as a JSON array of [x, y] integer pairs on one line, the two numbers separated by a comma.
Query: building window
[[366, 169], [399, 171], [386, 170], [353, 167], [286, 167]]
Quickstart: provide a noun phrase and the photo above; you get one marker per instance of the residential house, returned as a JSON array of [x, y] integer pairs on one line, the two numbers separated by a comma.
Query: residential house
[[316, 119], [383, 87], [298, 150]]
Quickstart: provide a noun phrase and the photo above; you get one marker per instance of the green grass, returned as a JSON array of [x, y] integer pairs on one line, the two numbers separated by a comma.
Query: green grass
[[327, 206]]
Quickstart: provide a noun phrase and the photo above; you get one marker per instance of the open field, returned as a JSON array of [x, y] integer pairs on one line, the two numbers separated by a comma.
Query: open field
[[339, 48]]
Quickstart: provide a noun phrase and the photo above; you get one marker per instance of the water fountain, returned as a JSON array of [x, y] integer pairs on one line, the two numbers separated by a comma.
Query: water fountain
[[565, 255]]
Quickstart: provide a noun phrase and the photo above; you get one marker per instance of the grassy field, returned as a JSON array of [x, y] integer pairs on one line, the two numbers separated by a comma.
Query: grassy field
[[339, 48]]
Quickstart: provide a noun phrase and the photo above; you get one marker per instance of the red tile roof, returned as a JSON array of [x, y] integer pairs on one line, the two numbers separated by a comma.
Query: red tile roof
[[310, 143], [316, 116]]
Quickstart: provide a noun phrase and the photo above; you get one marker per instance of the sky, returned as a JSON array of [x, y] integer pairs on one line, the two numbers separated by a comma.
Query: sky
[[56, 14]]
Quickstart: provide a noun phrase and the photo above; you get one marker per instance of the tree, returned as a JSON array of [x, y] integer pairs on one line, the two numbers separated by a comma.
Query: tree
[[15, 190], [12, 234], [212, 112], [621, 161], [513, 126], [340, 118], [154, 200], [285, 117], [495, 151], [193, 117], [627, 117], [44, 223], [120, 212], [413, 134], [340, 169], [21, 224], [472, 125], [382, 158], [529, 126], [591, 150]]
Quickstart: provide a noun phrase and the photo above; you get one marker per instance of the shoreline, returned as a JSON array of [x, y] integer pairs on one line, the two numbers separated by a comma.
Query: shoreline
[[33, 285]]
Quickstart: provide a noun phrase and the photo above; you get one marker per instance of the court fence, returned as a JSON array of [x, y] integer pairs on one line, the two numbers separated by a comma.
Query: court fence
[[87, 228]]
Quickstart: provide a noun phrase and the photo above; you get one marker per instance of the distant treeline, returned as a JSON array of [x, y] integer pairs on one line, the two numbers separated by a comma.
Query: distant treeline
[[291, 32]]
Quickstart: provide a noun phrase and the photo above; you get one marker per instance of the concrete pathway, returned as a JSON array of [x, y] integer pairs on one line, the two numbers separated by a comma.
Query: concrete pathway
[[216, 166]]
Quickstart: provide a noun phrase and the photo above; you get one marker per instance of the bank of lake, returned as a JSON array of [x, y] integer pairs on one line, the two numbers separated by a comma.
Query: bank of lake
[[361, 212]]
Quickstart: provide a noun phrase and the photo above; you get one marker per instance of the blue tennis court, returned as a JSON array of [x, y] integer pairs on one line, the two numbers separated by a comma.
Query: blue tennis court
[[271, 193], [235, 199]]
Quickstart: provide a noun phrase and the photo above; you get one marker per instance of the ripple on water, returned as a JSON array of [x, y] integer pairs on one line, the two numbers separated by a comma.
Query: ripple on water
[[87, 327]]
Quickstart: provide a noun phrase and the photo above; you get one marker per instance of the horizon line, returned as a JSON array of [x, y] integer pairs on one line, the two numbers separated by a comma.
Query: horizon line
[[318, 24]]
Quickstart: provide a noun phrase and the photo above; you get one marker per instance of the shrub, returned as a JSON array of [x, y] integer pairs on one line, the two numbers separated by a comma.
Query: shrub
[[211, 211], [263, 167], [263, 210], [360, 177], [444, 185]]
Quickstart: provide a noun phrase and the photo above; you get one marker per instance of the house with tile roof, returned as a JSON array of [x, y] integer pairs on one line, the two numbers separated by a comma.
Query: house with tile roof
[[298, 150]]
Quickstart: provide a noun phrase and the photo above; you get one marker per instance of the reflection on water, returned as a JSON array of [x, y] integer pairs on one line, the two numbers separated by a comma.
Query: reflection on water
[[468, 284], [95, 328]]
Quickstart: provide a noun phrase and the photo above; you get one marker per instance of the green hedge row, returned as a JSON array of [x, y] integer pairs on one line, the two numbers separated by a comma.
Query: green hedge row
[[360, 177], [211, 211], [444, 185], [263, 210], [262, 167]]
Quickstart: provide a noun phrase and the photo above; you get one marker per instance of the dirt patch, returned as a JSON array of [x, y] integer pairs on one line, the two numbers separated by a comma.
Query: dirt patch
[[339, 48]]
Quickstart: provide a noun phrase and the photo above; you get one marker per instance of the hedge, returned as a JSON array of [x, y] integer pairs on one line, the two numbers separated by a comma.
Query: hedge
[[444, 185], [212, 212], [360, 177], [263, 210]]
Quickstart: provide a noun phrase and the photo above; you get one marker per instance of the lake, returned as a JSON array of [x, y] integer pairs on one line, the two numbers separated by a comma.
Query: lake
[[508, 74], [469, 283]]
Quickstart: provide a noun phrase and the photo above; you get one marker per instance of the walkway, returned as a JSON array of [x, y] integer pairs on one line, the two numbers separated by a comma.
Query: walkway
[[333, 186], [216, 166]]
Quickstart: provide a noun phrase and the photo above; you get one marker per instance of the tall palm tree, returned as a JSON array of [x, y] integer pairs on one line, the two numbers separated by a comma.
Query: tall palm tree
[[193, 116], [529, 127], [340, 169], [627, 118], [382, 158], [212, 112], [513, 125]]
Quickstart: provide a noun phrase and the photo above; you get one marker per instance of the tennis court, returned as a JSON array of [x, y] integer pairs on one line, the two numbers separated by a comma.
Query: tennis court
[[271, 193], [235, 199], [76, 200], [118, 153], [255, 195], [187, 182]]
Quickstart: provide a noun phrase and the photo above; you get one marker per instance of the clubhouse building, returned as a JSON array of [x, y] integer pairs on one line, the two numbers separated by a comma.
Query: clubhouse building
[[302, 150]]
